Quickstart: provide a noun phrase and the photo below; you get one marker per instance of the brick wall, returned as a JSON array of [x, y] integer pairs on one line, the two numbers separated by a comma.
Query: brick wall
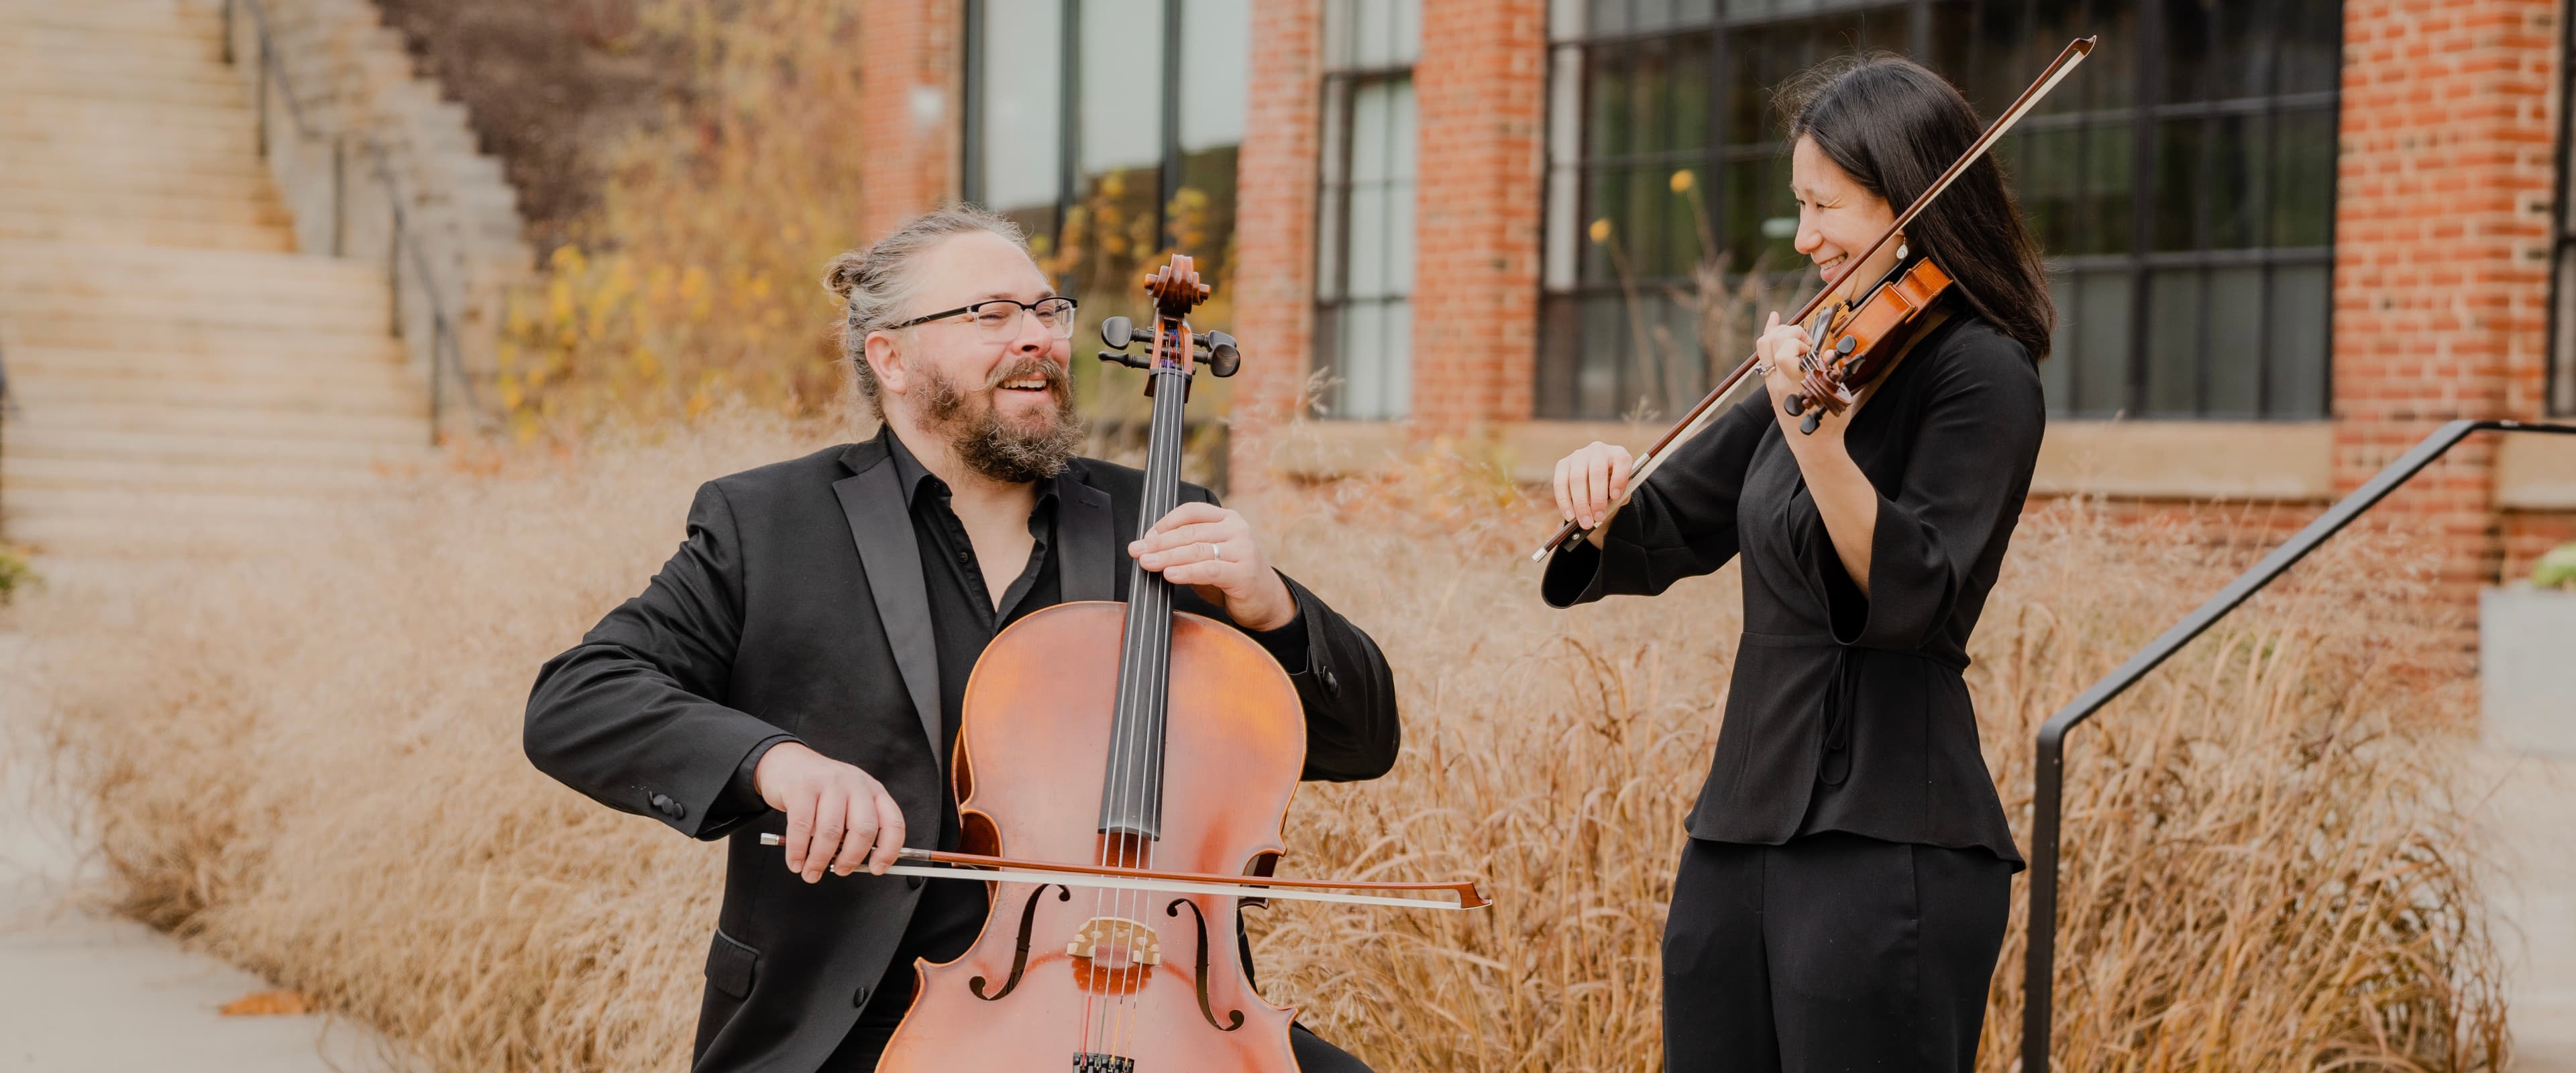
[[911, 56], [2441, 226], [1275, 229], [1480, 97]]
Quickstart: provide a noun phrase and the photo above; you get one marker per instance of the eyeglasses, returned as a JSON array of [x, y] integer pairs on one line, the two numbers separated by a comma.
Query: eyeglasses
[[999, 318]]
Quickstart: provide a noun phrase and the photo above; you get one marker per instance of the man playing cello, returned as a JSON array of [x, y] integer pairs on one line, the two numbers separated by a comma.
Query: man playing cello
[[779, 676]]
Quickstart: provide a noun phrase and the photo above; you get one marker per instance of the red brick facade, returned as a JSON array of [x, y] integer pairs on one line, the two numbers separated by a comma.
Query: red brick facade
[[913, 53], [2441, 248], [1482, 87], [1274, 226], [2447, 158]]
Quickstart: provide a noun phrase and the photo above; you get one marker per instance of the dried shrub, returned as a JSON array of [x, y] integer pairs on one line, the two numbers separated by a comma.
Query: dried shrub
[[697, 279], [311, 766], [550, 86]]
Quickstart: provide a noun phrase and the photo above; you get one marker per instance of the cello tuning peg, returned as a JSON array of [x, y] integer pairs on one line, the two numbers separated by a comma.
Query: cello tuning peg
[[1117, 332], [1224, 358], [1121, 357], [1815, 417]]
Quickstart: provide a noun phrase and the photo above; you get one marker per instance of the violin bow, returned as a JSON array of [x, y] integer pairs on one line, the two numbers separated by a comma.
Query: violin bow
[[938, 865], [1709, 406]]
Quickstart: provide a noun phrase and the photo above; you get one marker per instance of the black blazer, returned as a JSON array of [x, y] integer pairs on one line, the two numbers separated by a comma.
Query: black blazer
[[1847, 713], [797, 605]]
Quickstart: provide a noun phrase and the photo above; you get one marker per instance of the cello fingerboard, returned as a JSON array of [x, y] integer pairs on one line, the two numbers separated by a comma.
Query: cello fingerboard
[[1131, 794]]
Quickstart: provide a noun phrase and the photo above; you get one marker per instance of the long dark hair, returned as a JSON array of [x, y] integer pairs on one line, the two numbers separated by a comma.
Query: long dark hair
[[1894, 126]]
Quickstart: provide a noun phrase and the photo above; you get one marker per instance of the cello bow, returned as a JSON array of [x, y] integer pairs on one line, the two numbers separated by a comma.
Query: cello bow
[[936, 864]]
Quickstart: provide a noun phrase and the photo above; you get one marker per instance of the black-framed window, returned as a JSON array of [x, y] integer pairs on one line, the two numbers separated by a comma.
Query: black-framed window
[[2181, 187], [1110, 129], [1364, 209], [2562, 252]]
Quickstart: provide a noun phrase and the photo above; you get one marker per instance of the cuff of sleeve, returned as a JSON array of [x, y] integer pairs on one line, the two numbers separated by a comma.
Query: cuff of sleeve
[[1908, 587], [1287, 643], [742, 794], [1581, 574]]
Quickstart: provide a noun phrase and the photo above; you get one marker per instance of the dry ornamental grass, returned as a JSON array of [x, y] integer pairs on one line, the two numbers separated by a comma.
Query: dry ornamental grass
[[311, 766]]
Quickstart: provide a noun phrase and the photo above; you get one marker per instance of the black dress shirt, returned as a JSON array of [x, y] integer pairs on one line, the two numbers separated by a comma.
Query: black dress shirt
[[1847, 712]]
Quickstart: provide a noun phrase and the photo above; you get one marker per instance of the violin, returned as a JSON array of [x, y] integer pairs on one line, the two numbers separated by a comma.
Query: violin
[[1868, 338], [1122, 773], [1834, 376]]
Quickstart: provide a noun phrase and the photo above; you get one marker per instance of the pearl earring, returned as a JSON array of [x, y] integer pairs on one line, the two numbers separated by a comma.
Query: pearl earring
[[1900, 247]]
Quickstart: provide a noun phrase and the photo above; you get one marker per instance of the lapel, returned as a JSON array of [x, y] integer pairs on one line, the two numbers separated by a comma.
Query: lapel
[[1089, 557], [872, 501]]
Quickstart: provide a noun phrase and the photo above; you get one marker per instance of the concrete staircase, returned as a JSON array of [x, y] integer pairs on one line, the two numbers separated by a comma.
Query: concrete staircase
[[183, 380]]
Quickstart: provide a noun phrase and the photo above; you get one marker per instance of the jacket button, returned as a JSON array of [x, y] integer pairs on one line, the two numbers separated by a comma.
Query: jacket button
[[677, 811], [860, 999], [912, 882]]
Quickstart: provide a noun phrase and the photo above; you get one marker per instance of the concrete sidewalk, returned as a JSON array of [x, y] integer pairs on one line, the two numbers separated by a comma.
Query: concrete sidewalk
[[85, 992], [2530, 824]]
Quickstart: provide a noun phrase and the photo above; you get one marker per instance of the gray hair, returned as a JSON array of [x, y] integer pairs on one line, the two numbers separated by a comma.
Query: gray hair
[[877, 283]]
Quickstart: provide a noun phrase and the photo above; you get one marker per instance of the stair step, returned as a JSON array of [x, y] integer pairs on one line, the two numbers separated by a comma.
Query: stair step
[[209, 171], [182, 475], [73, 138], [169, 207], [61, 98], [51, 228], [111, 262], [354, 369], [176, 508], [94, 334], [67, 546], [318, 452], [280, 314], [38, 394], [244, 185], [193, 420]]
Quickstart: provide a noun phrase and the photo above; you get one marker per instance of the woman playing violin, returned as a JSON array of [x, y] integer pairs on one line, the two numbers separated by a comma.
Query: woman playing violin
[[1841, 899]]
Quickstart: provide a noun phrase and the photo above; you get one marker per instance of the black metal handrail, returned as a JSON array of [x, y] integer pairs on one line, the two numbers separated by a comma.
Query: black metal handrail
[[401, 246], [2049, 791]]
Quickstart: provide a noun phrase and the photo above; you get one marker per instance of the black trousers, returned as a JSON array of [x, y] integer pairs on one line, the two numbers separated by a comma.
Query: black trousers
[[861, 1048], [1831, 952]]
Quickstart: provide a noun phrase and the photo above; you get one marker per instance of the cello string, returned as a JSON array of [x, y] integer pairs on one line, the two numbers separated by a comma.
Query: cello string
[[1145, 606], [1116, 771], [1152, 664]]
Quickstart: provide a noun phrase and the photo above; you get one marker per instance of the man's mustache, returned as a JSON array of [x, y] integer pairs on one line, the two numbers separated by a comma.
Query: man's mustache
[[1056, 377]]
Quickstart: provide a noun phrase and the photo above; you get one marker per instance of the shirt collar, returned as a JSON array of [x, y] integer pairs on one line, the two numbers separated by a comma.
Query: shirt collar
[[913, 476]]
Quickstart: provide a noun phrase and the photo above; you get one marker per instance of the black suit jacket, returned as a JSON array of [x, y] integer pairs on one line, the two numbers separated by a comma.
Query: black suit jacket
[[796, 605], [1845, 712]]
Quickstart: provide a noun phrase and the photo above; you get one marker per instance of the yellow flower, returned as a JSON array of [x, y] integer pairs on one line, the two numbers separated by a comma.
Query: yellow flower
[[1683, 180], [1601, 230]]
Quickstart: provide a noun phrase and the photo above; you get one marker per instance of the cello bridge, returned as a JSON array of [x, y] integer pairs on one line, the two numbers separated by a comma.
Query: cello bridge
[[1115, 943], [1088, 1062]]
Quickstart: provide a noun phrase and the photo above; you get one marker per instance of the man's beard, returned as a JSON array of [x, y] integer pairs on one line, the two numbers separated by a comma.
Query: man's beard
[[997, 449]]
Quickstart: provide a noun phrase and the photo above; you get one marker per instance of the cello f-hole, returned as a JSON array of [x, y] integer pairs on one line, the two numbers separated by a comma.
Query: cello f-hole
[[1234, 1018], [1020, 961]]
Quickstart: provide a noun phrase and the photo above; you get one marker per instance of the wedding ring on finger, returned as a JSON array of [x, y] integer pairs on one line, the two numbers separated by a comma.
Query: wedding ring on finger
[[1212, 554], [1761, 368]]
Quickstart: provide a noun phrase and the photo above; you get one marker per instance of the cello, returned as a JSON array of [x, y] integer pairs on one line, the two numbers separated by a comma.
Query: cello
[[1122, 773]]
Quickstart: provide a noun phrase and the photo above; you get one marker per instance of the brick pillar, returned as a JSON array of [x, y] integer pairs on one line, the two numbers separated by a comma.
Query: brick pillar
[[2441, 240], [1480, 93], [1274, 231], [910, 56]]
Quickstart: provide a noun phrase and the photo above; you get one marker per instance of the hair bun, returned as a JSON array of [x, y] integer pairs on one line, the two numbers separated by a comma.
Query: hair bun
[[843, 275]]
